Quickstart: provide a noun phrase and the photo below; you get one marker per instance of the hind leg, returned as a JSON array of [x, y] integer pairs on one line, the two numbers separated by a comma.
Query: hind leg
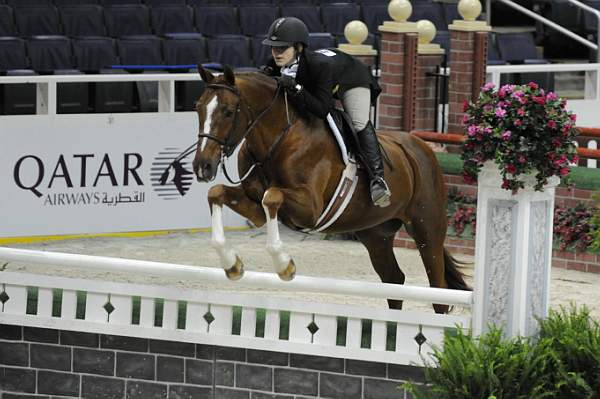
[[380, 245], [429, 237]]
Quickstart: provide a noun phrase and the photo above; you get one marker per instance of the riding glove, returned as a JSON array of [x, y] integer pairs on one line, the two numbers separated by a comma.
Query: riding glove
[[289, 84]]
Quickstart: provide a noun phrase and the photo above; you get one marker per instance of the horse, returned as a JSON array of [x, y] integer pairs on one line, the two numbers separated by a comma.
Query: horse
[[290, 166]]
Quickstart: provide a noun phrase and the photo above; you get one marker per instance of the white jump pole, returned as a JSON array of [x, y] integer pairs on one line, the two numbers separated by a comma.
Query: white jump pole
[[250, 279]]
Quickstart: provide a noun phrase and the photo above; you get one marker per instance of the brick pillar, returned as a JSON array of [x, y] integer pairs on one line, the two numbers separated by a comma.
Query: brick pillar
[[398, 74], [468, 60], [430, 57]]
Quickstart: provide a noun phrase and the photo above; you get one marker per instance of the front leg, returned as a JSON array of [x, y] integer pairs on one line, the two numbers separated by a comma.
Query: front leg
[[236, 199], [283, 263]]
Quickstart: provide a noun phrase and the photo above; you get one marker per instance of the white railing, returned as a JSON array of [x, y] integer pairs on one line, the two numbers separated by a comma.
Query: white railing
[[228, 319], [46, 86]]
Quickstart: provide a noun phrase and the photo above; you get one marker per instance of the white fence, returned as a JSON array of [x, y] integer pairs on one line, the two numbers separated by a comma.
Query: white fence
[[227, 319]]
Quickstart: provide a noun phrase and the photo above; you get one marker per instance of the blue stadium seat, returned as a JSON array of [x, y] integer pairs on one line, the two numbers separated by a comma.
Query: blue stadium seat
[[119, 2], [443, 39], [37, 20], [13, 54], [260, 53], [143, 50], [296, 2], [370, 3], [26, 3], [493, 55], [216, 20], [431, 11], [517, 47], [172, 19], [336, 15], [249, 2], [60, 3], [255, 20], [374, 15], [185, 49], [7, 26], [590, 22], [195, 3], [82, 20], [230, 50], [308, 13], [124, 20], [95, 54], [154, 3], [317, 40]]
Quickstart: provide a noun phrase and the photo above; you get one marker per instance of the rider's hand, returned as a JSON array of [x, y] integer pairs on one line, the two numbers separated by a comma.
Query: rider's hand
[[288, 83]]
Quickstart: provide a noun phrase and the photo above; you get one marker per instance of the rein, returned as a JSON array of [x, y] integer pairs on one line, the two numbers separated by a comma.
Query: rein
[[227, 146]]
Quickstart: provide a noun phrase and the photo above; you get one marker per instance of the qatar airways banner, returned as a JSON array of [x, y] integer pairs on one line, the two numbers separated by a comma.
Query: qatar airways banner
[[76, 174]]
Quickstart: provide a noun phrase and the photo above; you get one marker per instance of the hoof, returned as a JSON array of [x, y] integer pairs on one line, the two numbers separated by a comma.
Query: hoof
[[289, 273], [236, 271]]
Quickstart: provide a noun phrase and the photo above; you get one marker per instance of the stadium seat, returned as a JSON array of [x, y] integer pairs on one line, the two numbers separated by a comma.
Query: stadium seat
[[261, 54], [216, 20], [590, 22], [517, 47], [249, 2], [124, 20], [282, 2], [308, 13], [7, 26], [119, 2], [335, 16], [317, 40], [143, 50], [37, 20], [172, 19], [230, 50], [154, 3], [60, 3], [194, 3], [52, 54], [96, 54], [26, 3], [82, 20], [493, 55], [374, 15], [443, 39], [431, 11], [13, 54], [255, 20], [185, 49]]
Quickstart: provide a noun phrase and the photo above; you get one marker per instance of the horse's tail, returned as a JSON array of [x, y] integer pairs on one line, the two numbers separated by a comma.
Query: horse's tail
[[454, 277]]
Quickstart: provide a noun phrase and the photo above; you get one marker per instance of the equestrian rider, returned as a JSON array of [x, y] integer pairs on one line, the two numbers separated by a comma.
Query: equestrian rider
[[312, 78]]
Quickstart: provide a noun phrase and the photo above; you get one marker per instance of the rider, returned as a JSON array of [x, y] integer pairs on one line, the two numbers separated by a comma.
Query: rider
[[312, 78]]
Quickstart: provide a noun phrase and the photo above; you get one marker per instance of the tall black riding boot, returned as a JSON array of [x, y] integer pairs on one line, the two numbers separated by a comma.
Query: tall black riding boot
[[371, 154]]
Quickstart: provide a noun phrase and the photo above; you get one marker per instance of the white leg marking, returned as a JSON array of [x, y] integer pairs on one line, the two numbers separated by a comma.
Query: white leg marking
[[227, 255], [281, 259], [210, 109]]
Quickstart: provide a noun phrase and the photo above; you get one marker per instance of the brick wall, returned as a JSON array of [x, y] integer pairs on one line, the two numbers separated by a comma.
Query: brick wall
[[581, 261], [46, 363], [425, 113]]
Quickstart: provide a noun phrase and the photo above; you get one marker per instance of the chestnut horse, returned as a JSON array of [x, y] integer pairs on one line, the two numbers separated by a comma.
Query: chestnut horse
[[291, 166]]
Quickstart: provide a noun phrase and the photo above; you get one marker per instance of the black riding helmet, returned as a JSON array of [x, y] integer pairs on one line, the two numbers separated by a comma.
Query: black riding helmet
[[286, 32]]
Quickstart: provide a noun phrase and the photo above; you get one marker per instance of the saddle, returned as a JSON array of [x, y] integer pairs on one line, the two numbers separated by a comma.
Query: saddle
[[344, 133]]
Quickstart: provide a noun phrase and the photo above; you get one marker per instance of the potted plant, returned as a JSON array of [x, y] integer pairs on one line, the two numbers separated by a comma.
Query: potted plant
[[526, 132]]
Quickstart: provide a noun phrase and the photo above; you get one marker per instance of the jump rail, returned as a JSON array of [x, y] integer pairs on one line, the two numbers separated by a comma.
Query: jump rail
[[250, 279]]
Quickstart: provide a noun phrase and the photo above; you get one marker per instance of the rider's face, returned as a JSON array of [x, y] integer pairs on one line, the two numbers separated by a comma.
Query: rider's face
[[283, 55]]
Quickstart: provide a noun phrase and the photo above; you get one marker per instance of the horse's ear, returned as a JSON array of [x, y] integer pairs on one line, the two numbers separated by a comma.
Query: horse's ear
[[205, 74], [229, 75]]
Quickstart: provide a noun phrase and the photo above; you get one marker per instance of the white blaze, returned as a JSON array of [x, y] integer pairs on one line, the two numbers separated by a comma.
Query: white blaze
[[210, 109]]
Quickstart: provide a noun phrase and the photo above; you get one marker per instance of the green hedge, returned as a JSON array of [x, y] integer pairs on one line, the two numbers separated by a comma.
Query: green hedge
[[585, 178]]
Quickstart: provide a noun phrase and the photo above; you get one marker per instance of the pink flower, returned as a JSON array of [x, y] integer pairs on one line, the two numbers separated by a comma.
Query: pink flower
[[472, 130], [533, 85], [564, 171], [504, 90], [539, 100], [518, 122], [518, 94], [488, 108], [575, 159], [465, 106], [521, 112], [522, 159], [556, 143], [505, 184], [500, 113], [551, 96], [468, 178], [552, 124], [573, 117], [465, 119], [510, 168], [506, 135], [488, 86]]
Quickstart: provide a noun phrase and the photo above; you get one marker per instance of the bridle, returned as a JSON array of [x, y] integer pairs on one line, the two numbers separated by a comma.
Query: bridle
[[228, 145]]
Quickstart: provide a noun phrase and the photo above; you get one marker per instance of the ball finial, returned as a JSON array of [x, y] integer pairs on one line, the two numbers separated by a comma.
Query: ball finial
[[469, 9], [426, 31], [400, 10], [356, 32]]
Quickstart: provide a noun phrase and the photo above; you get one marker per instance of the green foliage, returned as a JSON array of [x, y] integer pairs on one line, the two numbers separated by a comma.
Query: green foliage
[[595, 224], [562, 362]]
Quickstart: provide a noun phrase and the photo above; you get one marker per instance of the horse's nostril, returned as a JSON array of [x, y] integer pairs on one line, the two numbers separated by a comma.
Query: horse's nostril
[[207, 169]]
